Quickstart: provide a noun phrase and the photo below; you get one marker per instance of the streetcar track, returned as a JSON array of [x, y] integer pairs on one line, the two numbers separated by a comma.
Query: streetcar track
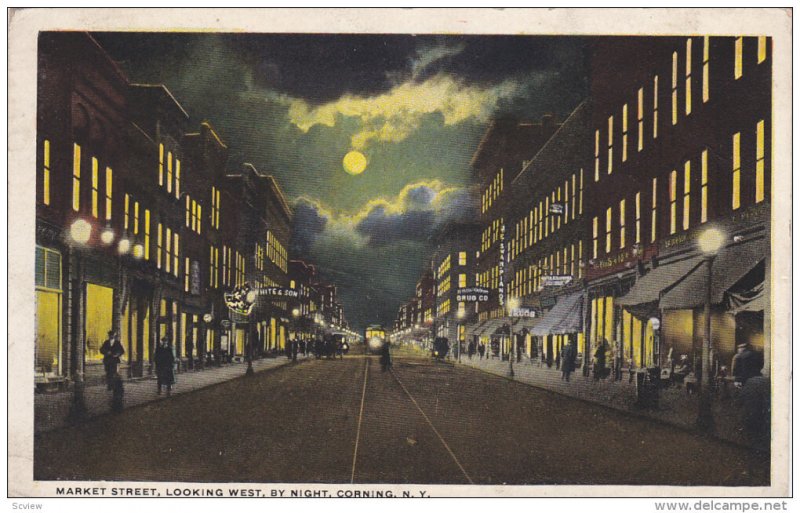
[[360, 417], [428, 420]]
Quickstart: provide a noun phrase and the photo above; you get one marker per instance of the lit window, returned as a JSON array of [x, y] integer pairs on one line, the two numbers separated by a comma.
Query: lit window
[[219, 206], [95, 187], [610, 144], [688, 76], [76, 177], [704, 187], [654, 212], [609, 223], [46, 172], [462, 280], [146, 234], [596, 155], [160, 165], [159, 244], [177, 178], [574, 187], [109, 192], [176, 243], [580, 199], [126, 220], [673, 201], [687, 189], [216, 267], [760, 161], [737, 170], [625, 132], [638, 217], [762, 49], [186, 275], [705, 69], [640, 118], [135, 217], [580, 257], [674, 88], [737, 58], [655, 107], [622, 224], [169, 171], [168, 256], [566, 200], [188, 211], [462, 258], [594, 237], [199, 218]]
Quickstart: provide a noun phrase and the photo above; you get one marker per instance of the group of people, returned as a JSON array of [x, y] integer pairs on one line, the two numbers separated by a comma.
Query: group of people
[[472, 348]]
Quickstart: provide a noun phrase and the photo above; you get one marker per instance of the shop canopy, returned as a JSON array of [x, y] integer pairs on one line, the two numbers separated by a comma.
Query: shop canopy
[[565, 317], [525, 323], [477, 329], [648, 288], [730, 265]]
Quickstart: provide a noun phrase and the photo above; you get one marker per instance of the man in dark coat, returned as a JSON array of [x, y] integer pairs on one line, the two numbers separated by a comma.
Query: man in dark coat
[[164, 360], [386, 357], [568, 355], [746, 364], [111, 350], [600, 360]]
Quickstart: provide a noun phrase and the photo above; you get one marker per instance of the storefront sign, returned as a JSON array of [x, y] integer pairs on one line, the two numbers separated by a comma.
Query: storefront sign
[[501, 293], [194, 279], [622, 261], [472, 294], [523, 312], [556, 280], [278, 292], [557, 208], [240, 300]]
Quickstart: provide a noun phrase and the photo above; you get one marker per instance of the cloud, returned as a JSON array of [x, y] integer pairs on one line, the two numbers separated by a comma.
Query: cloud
[[396, 114]]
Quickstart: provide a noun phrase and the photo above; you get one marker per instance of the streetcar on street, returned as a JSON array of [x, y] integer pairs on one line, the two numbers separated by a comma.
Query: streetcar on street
[[374, 337]]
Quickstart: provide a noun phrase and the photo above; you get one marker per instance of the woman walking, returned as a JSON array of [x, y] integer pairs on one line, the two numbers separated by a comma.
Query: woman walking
[[164, 360]]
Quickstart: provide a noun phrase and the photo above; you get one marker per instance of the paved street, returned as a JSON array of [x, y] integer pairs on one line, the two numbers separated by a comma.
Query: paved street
[[342, 421]]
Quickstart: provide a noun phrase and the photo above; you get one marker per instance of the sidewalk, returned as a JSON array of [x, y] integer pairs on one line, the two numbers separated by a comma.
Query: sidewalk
[[675, 406], [51, 409]]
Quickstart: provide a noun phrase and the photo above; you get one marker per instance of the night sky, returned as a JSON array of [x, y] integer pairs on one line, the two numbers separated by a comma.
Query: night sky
[[414, 106]]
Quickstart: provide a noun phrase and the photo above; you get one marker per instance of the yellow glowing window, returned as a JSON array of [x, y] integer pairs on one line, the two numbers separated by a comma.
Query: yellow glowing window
[[462, 258], [673, 201], [760, 161], [625, 132], [737, 58], [687, 190], [638, 217], [76, 177], [688, 76], [109, 192], [762, 49], [654, 212], [705, 68], [462, 280], [186, 275], [610, 144], [176, 254], [199, 218], [609, 223], [135, 217], [219, 206], [146, 234], [704, 187], [169, 171], [177, 178], [216, 267], [95, 186], [640, 118], [621, 224], [737, 170], [160, 165], [46, 172], [574, 187], [127, 210], [595, 230], [674, 88], [580, 199], [159, 244], [188, 211], [168, 255], [655, 107], [596, 155]]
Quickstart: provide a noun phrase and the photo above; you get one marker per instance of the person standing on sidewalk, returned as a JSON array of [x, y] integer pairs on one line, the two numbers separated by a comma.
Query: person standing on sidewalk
[[164, 360], [111, 350], [617, 361], [568, 360], [481, 349], [600, 360]]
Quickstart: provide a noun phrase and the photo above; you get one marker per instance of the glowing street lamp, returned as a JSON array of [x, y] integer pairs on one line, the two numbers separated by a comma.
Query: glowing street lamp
[[107, 236], [709, 242], [124, 246], [138, 251], [80, 231], [512, 305]]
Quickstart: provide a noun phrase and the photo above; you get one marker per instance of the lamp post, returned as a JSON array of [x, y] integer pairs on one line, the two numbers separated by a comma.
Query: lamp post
[[460, 316], [709, 242], [295, 316], [512, 304], [80, 231]]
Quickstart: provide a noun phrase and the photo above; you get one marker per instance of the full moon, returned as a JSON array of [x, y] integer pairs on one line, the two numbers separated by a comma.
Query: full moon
[[354, 162]]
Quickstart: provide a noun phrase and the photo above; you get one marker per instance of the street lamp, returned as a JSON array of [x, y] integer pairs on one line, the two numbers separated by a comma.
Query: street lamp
[[124, 246], [107, 236], [512, 304], [80, 231], [460, 316], [709, 242], [295, 316]]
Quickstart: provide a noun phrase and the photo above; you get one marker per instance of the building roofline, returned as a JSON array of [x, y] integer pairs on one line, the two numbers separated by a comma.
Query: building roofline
[[166, 90]]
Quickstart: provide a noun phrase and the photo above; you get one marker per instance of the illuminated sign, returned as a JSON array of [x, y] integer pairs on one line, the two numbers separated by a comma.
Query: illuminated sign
[[240, 300], [557, 208], [523, 312], [501, 293], [556, 280], [278, 292], [472, 294]]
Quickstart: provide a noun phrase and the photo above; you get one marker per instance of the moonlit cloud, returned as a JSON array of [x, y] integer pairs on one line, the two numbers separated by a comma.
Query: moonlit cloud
[[393, 116]]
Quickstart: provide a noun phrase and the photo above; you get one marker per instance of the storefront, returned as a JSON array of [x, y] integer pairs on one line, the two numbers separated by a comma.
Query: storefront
[[561, 325], [49, 311]]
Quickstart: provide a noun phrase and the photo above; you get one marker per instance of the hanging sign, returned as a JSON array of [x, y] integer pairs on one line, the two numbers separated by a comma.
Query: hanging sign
[[240, 300], [472, 294], [523, 312], [556, 280]]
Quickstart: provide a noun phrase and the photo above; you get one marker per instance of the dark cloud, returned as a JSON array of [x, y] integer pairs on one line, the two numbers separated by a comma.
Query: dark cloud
[[420, 196], [308, 225], [382, 228]]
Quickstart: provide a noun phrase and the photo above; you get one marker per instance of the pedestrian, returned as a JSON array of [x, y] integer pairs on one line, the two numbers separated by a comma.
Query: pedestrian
[[111, 350], [746, 364], [118, 395], [558, 358], [189, 352], [481, 349], [386, 357], [164, 359], [617, 361], [294, 350], [568, 355], [471, 349], [600, 360]]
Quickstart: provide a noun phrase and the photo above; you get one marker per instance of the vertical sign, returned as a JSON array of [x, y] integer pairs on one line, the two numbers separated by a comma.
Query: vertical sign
[[501, 292]]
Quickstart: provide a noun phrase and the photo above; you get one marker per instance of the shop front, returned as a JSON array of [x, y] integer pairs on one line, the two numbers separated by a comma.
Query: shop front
[[49, 315], [561, 325]]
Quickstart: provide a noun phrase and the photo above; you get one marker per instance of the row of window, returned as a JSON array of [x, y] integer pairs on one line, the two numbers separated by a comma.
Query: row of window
[[444, 308], [677, 80], [194, 215], [489, 278], [444, 267], [492, 234], [276, 252], [548, 216], [215, 206], [444, 286], [492, 191], [102, 195], [566, 261], [171, 180]]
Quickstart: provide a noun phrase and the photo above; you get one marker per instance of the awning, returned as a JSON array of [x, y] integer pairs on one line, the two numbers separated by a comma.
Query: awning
[[731, 265], [525, 323], [753, 300], [648, 288], [565, 317], [492, 325], [477, 329]]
